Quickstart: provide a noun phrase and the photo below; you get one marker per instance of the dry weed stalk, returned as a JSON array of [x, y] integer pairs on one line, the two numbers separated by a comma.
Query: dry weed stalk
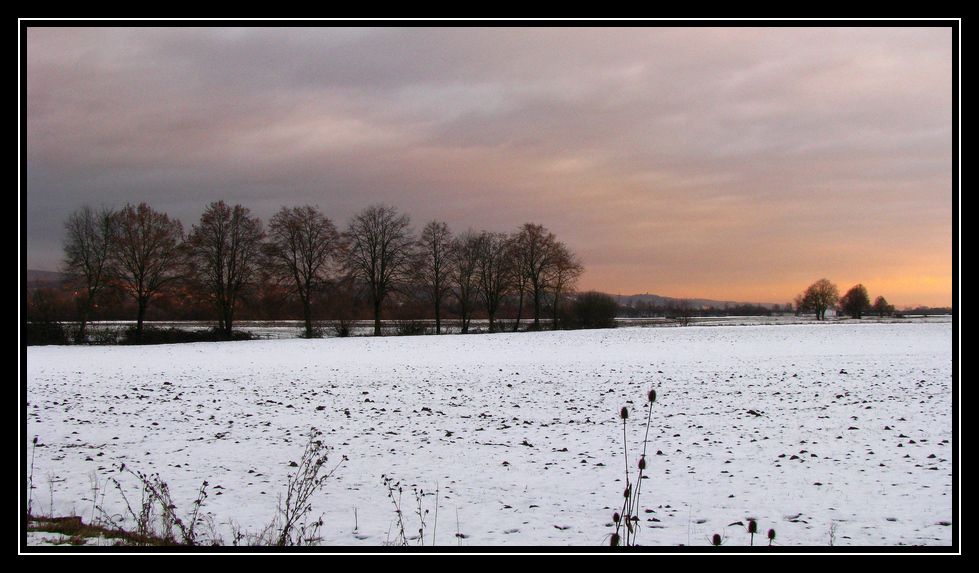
[[627, 522], [30, 483], [401, 539], [154, 492], [300, 487]]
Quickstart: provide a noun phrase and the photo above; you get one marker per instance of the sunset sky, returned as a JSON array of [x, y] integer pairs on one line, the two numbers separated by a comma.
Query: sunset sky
[[721, 162]]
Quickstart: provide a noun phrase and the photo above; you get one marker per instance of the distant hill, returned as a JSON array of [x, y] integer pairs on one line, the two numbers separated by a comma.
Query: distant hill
[[656, 300]]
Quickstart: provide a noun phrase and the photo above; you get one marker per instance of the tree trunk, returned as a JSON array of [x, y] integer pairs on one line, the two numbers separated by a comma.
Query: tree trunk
[[555, 319], [377, 318], [140, 315], [516, 323], [307, 317], [80, 336], [536, 311], [83, 321]]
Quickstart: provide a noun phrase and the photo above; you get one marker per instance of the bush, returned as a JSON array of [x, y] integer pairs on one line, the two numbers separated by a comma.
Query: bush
[[340, 327], [102, 335], [47, 332], [315, 331], [173, 335], [593, 310], [410, 327]]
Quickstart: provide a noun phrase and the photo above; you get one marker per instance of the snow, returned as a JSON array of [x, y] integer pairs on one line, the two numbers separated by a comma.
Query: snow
[[835, 433]]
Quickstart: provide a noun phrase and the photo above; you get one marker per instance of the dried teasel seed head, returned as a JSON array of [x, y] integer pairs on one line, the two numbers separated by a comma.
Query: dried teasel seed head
[[652, 396], [642, 463], [615, 540], [716, 540], [771, 534], [615, 517], [627, 492], [624, 413], [752, 526]]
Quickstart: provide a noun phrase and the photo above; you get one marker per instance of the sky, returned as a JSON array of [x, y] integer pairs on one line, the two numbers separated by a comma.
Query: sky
[[730, 163]]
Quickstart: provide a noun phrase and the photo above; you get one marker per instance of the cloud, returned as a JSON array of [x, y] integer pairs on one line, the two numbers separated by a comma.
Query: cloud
[[715, 145]]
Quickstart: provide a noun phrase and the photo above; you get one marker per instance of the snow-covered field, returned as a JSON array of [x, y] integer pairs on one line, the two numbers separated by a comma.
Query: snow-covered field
[[838, 433]]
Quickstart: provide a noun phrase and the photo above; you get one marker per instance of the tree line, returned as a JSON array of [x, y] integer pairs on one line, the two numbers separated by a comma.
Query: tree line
[[230, 260], [677, 309], [823, 295], [817, 299]]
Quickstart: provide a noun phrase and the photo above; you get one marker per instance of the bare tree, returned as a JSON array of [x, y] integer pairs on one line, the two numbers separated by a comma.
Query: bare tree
[[303, 247], [520, 282], [563, 275], [224, 252], [465, 260], [495, 272], [87, 260], [534, 249], [434, 250], [680, 310], [818, 298], [146, 248], [380, 253]]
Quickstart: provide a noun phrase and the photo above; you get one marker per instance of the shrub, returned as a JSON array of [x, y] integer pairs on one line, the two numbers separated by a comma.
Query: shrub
[[315, 331], [150, 517], [174, 335], [309, 478], [593, 310], [101, 335], [42, 333], [154, 497], [410, 327], [340, 327]]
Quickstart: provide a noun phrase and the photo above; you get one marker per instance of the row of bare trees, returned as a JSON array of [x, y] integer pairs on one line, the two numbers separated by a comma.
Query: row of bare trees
[[146, 253]]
